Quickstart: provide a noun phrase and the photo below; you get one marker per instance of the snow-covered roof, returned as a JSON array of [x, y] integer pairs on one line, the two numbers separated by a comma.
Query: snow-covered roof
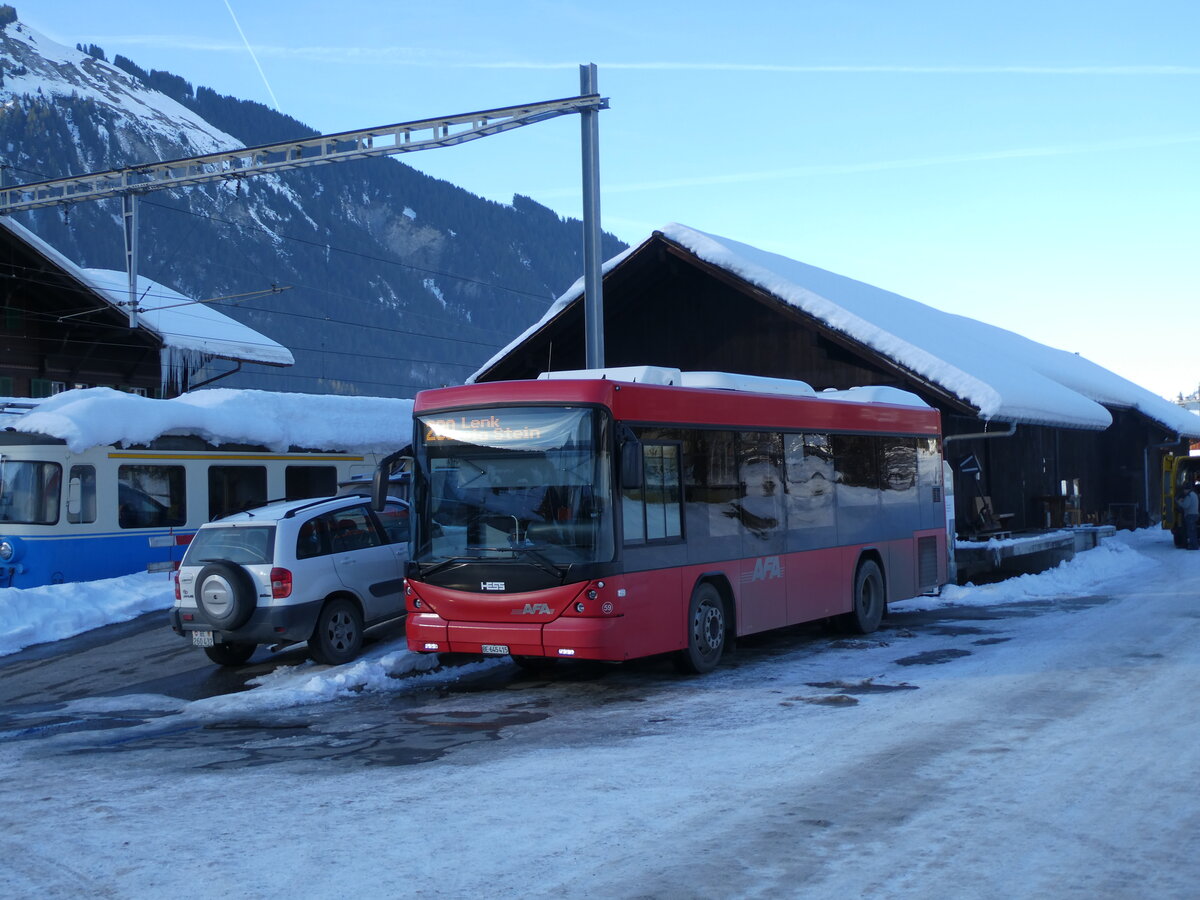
[[180, 322], [183, 323], [98, 416], [1007, 377]]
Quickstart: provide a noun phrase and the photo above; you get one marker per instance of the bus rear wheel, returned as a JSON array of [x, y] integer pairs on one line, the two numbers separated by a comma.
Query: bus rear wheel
[[870, 599], [705, 631]]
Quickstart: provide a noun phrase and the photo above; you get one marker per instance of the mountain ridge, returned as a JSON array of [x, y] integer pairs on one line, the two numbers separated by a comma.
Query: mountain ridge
[[398, 280]]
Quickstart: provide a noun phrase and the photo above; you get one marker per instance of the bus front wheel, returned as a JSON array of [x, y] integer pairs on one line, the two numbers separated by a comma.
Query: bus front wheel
[[705, 632]]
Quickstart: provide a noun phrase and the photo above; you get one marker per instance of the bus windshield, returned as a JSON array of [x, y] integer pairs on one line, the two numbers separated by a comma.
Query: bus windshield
[[513, 482]]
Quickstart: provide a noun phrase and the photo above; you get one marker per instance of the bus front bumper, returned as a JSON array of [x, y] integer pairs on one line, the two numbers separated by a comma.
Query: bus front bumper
[[564, 638]]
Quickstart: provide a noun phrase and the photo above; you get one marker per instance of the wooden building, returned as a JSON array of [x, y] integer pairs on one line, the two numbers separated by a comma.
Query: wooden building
[[64, 327], [1037, 437]]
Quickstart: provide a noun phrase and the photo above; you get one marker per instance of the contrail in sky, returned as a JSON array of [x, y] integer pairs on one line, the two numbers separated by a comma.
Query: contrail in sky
[[413, 57], [887, 164], [250, 50]]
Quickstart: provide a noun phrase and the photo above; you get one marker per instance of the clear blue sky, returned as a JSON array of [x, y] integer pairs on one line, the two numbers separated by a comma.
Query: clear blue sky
[[1032, 164]]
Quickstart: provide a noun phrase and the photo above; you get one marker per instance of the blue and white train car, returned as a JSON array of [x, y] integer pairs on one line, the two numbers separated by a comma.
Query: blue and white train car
[[96, 483]]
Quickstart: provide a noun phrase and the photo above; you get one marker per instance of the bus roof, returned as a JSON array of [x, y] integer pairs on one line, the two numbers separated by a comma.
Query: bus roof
[[860, 409]]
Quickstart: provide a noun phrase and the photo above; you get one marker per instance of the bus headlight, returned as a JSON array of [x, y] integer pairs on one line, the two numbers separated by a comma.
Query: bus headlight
[[8, 551]]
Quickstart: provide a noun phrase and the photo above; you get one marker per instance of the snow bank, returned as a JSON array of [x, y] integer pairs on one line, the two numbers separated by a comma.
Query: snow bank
[[1085, 573], [36, 615], [379, 671]]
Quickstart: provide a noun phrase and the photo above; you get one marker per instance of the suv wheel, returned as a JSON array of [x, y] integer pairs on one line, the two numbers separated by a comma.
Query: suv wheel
[[230, 654], [225, 594], [338, 635]]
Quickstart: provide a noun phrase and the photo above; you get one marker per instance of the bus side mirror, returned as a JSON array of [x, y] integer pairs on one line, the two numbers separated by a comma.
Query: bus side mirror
[[631, 464], [379, 487], [381, 479]]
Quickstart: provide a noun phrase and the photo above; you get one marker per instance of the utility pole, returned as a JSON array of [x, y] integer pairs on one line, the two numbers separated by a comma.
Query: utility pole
[[593, 278], [129, 218]]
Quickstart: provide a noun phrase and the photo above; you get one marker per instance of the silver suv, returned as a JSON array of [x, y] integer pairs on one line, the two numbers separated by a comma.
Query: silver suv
[[317, 571]]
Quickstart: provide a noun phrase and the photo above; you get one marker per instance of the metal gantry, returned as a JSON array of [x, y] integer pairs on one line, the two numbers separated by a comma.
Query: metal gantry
[[388, 140]]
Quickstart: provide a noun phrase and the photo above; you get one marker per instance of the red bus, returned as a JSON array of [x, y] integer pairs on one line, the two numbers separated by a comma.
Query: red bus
[[586, 517]]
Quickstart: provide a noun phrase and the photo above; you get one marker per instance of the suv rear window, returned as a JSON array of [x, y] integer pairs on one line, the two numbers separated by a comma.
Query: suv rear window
[[247, 545]]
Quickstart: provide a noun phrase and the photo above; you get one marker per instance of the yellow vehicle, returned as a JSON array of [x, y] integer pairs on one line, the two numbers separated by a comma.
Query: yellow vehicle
[[1176, 472]]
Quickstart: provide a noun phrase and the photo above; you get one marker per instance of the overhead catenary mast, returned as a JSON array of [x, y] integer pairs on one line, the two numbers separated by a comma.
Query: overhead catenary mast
[[387, 140]]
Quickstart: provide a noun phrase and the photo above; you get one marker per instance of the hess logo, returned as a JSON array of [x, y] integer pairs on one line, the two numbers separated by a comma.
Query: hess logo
[[491, 585]]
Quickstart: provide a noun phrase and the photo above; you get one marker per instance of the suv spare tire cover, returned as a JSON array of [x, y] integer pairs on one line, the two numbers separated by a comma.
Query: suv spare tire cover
[[225, 594]]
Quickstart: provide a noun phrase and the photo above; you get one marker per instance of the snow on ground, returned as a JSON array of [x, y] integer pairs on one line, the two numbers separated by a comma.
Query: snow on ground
[[1054, 759]]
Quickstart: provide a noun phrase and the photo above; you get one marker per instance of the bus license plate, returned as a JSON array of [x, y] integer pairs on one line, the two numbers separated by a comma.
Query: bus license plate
[[202, 638], [495, 649]]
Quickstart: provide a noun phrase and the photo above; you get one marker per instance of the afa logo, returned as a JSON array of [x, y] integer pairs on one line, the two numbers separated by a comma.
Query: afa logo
[[534, 609], [766, 567]]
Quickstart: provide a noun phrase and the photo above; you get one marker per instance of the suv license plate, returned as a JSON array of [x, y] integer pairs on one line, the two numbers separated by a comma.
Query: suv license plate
[[202, 638], [495, 649]]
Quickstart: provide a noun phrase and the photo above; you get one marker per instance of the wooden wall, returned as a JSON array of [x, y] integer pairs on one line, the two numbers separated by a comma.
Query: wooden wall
[[53, 329]]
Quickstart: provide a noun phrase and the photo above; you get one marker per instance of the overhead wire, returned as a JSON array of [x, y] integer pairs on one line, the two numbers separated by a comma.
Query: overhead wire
[[321, 318], [491, 345]]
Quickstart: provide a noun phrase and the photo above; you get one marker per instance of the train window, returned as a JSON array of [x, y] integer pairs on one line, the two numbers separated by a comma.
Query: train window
[[29, 491], [81, 495], [151, 496], [234, 488], [310, 481]]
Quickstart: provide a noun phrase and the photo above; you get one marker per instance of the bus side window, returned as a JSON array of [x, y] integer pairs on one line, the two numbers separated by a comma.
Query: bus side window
[[633, 509], [654, 510], [898, 463], [81, 495]]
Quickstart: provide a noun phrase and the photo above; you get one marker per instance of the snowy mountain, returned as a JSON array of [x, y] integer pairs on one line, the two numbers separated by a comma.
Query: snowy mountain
[[381, 280]]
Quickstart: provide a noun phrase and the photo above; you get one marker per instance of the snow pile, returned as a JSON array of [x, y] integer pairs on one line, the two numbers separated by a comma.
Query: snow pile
[[379, 671], [55, 611], [1086, 572], [97, 416]]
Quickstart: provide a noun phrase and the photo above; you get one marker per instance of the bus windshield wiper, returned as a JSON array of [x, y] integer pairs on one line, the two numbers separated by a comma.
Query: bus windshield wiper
[[449, 560], [538, 558]]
